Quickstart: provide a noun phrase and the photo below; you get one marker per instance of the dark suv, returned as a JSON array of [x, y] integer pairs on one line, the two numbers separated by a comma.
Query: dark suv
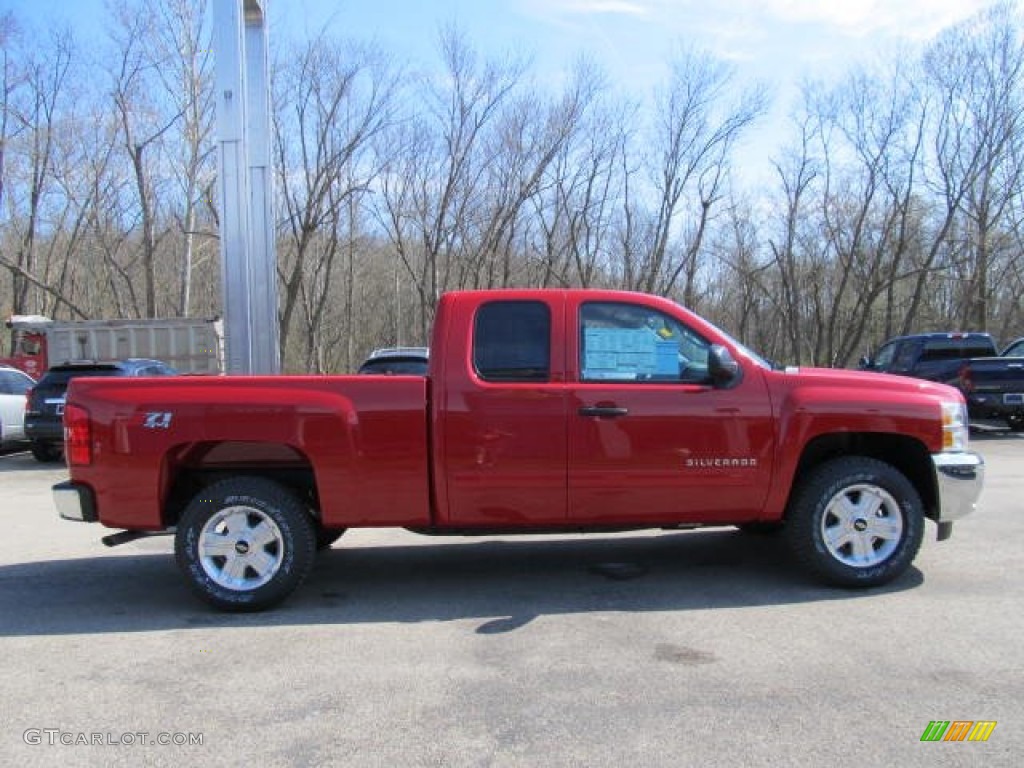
[[44, 411]]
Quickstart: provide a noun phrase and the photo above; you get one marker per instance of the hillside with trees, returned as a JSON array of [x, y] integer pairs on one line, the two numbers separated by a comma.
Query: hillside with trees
[[896, 201]]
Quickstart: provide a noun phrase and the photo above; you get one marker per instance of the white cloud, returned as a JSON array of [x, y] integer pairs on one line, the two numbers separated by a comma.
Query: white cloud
[[735, 29], [606, 6], [912, 19], [589, 7]]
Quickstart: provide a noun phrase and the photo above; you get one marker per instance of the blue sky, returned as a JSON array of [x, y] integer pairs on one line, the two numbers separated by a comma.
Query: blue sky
[[778, 41], [781, 40]]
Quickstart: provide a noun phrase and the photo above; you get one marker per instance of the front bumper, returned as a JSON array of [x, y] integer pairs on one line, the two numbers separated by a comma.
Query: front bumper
[[75, 502], [959, 478]]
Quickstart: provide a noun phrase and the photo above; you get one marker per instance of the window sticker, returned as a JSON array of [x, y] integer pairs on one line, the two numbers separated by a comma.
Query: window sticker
[[626, 353]]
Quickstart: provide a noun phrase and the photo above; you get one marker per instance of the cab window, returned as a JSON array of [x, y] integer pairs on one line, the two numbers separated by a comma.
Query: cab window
[[904, 360], [512, 341], [631, 343]]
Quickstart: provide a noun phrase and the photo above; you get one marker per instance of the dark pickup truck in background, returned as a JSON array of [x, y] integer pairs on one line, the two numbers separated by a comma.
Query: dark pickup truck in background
[[1014, 349], [992, 384]]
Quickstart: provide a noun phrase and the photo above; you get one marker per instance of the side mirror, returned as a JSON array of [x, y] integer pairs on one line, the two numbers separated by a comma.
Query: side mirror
[[725, 372], [865, 364]]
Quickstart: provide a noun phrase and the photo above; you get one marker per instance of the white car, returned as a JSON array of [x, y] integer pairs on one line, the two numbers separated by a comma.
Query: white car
[[14, 387], [407, 361]]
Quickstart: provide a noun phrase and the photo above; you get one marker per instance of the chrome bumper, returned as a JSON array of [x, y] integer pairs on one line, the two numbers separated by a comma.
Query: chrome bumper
[[75, 502], [959, 477]]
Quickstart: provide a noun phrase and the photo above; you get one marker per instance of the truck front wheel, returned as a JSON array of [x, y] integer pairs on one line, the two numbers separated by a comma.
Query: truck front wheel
[[856, 522], [245, 543]]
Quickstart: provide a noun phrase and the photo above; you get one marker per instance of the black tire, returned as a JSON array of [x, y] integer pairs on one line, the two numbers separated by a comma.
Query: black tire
[[245, 543], [856, 522], [47, 453], [1016, 422], [325, 537]]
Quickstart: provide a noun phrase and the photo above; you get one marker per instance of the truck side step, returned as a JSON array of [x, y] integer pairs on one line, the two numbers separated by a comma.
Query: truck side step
[[123, 537]]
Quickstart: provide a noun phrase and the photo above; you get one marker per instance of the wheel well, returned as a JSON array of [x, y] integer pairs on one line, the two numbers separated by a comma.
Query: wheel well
[[195, 467], [906, 454]]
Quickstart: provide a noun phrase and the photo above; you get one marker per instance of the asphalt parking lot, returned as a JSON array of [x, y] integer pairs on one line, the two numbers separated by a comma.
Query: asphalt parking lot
[[651, 649]]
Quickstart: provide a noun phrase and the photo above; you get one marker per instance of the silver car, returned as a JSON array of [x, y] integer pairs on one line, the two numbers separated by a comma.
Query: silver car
[[14, 387], [397, 361]]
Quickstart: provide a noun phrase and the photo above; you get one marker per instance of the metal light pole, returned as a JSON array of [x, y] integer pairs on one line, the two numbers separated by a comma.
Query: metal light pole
[[248, 256]]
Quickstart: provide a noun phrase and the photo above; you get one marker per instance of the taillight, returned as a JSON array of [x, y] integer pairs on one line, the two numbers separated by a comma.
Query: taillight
[[966, 378], [77, 437]]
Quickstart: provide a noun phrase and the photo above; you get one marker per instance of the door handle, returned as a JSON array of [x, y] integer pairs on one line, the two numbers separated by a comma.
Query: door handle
[[603, 411]]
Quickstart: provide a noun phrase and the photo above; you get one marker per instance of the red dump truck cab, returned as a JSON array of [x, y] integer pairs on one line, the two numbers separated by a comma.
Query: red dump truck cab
[[542, 411]]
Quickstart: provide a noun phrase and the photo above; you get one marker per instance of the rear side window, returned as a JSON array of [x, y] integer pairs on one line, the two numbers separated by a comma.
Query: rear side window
[[952, 349], [512, 341]]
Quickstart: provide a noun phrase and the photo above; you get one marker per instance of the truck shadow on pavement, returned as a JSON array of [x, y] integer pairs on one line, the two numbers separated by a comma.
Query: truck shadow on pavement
[[501, 585]]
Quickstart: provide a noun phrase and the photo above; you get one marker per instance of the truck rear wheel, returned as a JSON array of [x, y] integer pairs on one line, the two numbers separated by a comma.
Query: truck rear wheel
[[856, 522], [46, 453], [245, 543]]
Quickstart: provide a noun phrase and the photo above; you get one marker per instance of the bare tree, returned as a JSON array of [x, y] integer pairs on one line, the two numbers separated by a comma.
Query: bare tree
[[898, 204], [8, 84], [743, 284], [697, 122], [957, 162], [576, 209], [183, 45], [797, 172], [988, 51], [145, 119], [531, 134], [868, 217], [332, 101], [433, 187], [33, 100]]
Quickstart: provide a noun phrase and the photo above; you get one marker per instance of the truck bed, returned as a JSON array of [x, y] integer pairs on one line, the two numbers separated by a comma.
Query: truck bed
[[362, 437]]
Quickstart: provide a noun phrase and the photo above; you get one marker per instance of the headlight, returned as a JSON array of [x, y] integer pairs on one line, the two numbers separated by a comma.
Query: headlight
[[954, 427]]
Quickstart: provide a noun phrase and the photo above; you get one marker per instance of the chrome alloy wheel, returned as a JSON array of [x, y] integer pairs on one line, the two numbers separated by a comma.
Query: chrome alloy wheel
[[241, 548], [862, 525]]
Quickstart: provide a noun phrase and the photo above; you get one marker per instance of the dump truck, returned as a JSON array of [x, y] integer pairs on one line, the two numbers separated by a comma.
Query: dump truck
[[190, 345]]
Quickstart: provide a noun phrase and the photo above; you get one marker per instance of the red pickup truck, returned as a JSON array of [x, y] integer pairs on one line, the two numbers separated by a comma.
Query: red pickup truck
[[542, 411]]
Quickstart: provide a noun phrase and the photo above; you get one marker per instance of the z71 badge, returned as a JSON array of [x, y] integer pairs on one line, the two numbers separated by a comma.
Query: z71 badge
[[157, 420]]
